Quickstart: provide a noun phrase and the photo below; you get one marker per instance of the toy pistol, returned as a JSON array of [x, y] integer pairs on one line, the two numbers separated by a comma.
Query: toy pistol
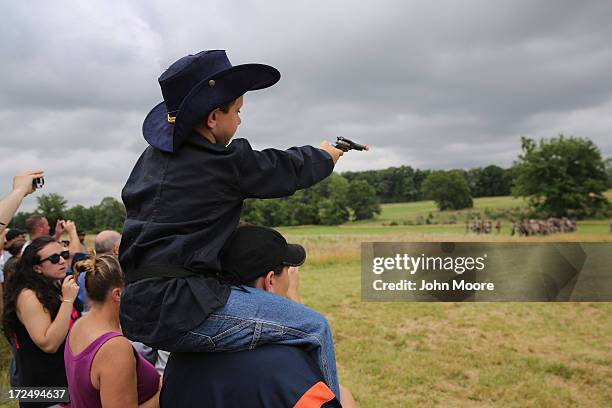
[[345, 145]]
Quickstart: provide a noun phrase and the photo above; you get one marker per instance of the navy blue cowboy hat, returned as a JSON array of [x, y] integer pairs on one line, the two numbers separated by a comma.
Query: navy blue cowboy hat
[[195, 85]]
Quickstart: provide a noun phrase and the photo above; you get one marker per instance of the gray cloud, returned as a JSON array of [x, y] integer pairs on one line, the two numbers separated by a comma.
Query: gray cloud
[[441, 84]]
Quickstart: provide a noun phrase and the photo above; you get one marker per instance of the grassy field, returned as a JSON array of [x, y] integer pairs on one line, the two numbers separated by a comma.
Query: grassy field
[[455, 354], [452, 354], [409, 211]]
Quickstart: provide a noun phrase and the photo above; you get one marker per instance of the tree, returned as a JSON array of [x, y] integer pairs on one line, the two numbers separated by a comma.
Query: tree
[[109, 214], [489, 181], [362, 200], [303, 208], [419, 178], [448, 189], [608, 164], [330, 213], [561, 176], [52, 206], [84, 218], [251, 212]]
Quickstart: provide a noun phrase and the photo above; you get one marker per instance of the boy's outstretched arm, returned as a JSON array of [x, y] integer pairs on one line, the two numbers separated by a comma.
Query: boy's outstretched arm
[[273, 173]]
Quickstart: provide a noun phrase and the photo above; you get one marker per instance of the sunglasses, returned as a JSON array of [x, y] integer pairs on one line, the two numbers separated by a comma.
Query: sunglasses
[[55, 258]]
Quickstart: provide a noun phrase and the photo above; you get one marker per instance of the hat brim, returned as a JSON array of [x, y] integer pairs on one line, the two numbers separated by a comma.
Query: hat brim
[[156, 129], [229, 85], [295, 255]]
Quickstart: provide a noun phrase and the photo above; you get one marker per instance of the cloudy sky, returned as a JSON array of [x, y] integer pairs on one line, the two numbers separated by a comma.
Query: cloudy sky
[[436, 84]]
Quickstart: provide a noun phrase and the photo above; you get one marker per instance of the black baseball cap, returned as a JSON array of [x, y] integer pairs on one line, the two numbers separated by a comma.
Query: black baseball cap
[[253, 251], [14, 233]]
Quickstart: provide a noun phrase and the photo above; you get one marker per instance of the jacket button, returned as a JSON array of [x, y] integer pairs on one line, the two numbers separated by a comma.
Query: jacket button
[[211, 83]]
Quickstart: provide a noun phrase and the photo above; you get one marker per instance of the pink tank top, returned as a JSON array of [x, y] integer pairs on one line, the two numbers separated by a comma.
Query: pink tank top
[[78, 372]]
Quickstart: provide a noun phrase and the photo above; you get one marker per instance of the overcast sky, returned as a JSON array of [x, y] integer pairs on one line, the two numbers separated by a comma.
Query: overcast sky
[[430, 84]]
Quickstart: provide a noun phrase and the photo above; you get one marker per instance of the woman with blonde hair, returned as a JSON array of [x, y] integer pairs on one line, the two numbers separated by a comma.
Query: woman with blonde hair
[[102, 367]]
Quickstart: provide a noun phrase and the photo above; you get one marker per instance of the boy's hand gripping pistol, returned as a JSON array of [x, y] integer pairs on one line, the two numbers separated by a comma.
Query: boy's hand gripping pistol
[[345, 145]]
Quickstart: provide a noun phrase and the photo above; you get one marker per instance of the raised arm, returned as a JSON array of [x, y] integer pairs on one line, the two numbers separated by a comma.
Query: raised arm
[[71, 229], [22, 186]]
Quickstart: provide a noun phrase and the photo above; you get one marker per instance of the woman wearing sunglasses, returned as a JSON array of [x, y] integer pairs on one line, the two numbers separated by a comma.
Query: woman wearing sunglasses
[[38, 312]]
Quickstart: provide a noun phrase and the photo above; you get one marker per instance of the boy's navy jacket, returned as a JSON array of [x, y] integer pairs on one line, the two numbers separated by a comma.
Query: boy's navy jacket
[[181, 209]]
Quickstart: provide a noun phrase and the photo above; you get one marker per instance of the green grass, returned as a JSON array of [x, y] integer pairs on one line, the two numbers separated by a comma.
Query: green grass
[[410, 211]]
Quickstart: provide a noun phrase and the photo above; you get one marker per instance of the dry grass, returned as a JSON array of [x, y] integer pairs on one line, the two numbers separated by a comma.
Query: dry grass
[[453, 354]]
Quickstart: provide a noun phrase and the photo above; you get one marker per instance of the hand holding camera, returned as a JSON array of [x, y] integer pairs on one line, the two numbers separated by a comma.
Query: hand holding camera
[[69, 226], [28, 181]]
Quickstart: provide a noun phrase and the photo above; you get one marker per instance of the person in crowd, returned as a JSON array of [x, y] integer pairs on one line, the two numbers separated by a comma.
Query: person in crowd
[[38, 312], [83, 247], [271, 376], [9, 270], [37, 226], [107, 242], [183, 200], [102, 367], [4, 254], [14, 249], [23, 184], [7, 238]]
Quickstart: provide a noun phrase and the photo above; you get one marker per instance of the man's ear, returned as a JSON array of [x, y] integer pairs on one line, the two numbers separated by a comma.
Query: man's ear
[[269, 281]]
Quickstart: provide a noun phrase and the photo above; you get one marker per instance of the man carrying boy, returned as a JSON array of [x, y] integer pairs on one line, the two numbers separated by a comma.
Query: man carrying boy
[[183, 201], [271, 376]]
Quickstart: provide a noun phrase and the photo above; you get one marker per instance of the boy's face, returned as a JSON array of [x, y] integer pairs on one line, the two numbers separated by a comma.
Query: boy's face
[[227, 123]]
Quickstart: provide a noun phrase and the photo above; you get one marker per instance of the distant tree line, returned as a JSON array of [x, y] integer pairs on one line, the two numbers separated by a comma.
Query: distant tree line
[[333, 201], [357, 195], [404, 184]]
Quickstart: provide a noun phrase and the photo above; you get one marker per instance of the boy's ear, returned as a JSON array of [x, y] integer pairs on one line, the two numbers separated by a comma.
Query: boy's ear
[[211, 119]]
